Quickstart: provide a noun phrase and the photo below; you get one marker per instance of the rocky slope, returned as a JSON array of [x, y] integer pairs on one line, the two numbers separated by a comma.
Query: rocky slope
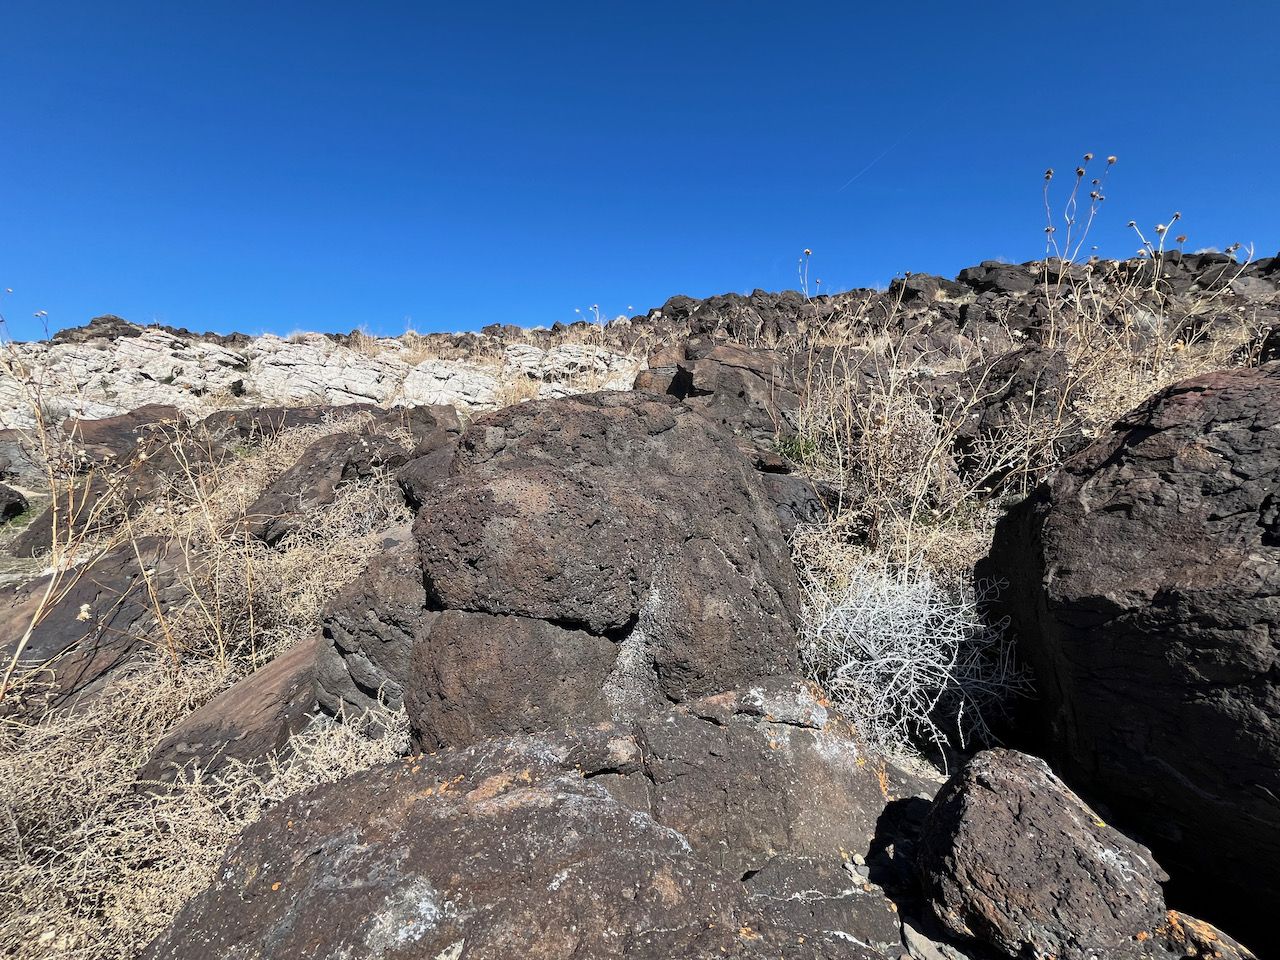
[[587, 606]]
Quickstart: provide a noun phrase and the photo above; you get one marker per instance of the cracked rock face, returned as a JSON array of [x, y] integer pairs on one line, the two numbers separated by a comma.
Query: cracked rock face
[[1145, 587], [595, 557], [717, 829], [1011, 858], [111, 368]]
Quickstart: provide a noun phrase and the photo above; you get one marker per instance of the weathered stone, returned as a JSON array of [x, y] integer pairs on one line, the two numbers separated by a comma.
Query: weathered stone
[[369, 630], [602, 841], [625, 516], [1145, 590], [1013, 859], [245, 723], [115, 439], [105, 612]]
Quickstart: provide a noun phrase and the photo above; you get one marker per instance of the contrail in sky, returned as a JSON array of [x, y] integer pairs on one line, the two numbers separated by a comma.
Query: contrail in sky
[[871, 164]]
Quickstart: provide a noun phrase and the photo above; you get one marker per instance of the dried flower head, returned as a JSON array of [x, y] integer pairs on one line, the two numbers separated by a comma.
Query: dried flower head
[[1048, 174], [1079, 171], [808, 252], [1111, 159], [1088, 157], [1180, 238]]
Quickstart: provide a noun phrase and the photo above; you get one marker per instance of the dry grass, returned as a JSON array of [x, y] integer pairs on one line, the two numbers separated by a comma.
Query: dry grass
[[924, 472], [93, 867]]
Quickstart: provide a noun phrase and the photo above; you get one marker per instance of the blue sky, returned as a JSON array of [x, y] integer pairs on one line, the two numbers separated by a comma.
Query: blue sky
[[324, 165]]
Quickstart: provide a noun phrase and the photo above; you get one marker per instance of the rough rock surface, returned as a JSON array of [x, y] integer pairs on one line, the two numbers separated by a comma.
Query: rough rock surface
[[635, 532], [248, 721], [744, 391], [116, 438], [1145, 589], [1013, 859], [386, 442], [106, 369], [369, 629], [106, 613], [722, 830]]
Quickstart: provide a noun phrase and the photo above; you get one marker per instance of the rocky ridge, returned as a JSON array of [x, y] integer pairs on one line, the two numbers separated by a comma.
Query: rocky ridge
[[591, 623]]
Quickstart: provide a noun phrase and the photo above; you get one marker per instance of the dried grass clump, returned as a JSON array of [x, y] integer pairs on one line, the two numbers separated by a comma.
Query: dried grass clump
[[93, 863], [906, 655]]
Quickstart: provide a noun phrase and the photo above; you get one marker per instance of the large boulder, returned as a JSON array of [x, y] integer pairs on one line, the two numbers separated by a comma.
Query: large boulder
[[1011, 858], [1144, 585], [116, 438], [725, 829], [623, 533], [245, 723], [369, 628]]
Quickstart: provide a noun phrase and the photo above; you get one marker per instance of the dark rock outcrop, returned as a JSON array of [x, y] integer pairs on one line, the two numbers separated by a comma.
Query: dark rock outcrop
[[105, 612], [722, 830], [1145, 590], [118, 438], [12, 504], [626, 518], [246, 722], [389, 440], [1011, 858]]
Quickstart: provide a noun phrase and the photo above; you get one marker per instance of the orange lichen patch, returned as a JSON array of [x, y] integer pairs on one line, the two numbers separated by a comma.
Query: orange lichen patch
[[275, 886], [882, 779], [491, 787], [665, 886], [746, 933], [1142, 936]]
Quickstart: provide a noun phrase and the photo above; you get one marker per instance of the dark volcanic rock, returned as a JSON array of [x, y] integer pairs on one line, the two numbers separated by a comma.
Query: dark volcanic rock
[[624, 516], [369, 629], [682, 836], [105, 612], [475, 675], [742, 389], [250, 720], [117, 438], [1145, 589], [1025, 392], [388, 441], [1013, 859], [12, 504]]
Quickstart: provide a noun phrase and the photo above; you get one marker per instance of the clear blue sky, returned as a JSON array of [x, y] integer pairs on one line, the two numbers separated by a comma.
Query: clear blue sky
[[282, 165]]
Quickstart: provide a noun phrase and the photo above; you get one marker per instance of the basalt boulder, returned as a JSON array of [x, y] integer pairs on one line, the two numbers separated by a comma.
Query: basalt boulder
[[1013, 859], [725, 828], [103, 612], [595, 557], [387, 441], [1144, 586], [117, 438]]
